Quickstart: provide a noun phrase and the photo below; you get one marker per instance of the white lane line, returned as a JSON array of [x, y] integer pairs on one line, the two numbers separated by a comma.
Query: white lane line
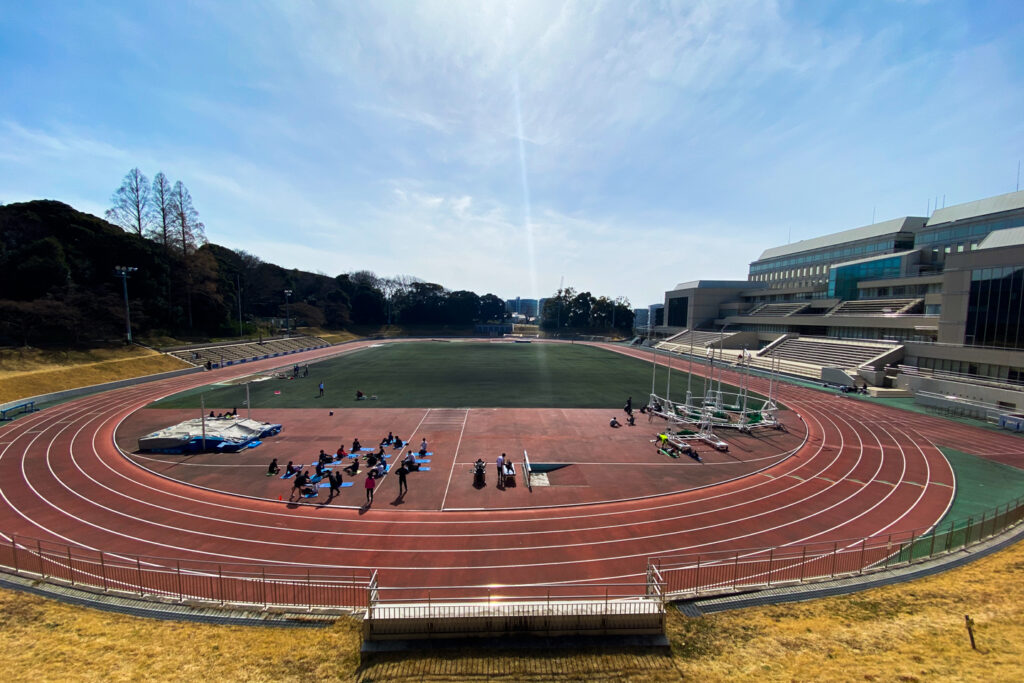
[[455, 458]]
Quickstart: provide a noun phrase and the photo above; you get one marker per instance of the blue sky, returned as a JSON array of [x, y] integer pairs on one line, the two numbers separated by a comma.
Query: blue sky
[[499, 147]]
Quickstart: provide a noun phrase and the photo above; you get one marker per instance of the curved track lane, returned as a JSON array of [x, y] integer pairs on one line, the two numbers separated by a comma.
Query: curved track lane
[[864, 470]]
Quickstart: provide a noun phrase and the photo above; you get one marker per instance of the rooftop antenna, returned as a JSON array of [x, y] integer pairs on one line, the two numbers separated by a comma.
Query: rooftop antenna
[[873, 215]]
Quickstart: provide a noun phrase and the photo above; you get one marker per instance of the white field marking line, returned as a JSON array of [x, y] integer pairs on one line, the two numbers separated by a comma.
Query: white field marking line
[[455, 458], [207, 503], [29, 484], [479, 550], [179, 512], [262, 529], [116, 511], [398, 456]]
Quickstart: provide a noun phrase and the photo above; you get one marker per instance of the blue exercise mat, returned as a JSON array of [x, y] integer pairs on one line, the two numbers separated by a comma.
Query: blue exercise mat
[[287, 476], [364, 448], [422, 469], [422, 462]]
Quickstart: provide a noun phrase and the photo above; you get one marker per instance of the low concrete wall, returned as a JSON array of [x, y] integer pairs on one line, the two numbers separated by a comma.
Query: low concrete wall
[[1011, 400], [96, 388]]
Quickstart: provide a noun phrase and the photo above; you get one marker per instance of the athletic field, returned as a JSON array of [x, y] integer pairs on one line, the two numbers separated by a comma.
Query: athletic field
[[458, 375]]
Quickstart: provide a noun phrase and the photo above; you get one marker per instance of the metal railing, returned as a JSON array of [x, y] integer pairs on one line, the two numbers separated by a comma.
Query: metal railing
[[760, 568], [234, 585], [580, 608]]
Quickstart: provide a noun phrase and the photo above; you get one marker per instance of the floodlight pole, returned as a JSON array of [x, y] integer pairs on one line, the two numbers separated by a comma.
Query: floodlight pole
[[122, 272], [238, 289], [288, 315]]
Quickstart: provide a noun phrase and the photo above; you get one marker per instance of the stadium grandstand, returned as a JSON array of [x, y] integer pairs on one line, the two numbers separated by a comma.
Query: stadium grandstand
[[231, 353], [914, 304]]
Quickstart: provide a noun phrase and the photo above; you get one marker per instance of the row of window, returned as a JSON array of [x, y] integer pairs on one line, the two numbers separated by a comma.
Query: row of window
[[965, 231], [880, 333], [900, 291], [845, 252]]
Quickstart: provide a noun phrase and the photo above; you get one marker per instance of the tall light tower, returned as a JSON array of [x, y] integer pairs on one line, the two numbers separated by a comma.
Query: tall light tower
[[122, 272], [287, 314]]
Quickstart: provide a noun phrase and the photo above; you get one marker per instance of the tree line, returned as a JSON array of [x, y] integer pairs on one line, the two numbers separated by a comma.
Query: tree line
[[569, 311], [59, 285]]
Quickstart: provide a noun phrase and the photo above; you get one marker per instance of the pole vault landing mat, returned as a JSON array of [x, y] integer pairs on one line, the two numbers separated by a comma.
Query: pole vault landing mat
[[583, 459]]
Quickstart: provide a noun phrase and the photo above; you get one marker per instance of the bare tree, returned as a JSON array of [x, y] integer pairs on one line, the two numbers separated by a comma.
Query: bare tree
[[131, 203], [160, 212], [188, 231], [392, 287]]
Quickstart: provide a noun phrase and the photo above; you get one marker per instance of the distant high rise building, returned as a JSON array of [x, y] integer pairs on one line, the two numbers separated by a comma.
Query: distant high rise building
[[640, 317], [527, 307], [656, 314]]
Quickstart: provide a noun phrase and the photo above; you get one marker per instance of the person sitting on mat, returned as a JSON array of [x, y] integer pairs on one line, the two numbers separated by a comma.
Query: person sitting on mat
[[359, 395], [320, 469], [372, 459], [631, 421], [323, 458], [273, 469], [423, 446], [356, 446], [389, 440], [410, 462], [353, 468], [380, 452], [398, 443], [614, 423], [290, 469]]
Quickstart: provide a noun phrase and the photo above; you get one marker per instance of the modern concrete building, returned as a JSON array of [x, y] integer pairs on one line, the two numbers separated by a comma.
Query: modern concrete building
[[526, 307], [942, 294]]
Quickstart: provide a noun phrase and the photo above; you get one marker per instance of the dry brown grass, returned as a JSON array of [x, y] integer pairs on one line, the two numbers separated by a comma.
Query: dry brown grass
[[910, 632], [335, 337], [30, 372]]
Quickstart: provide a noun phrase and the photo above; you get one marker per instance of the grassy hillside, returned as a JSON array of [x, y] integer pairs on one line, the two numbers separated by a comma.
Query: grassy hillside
[[30, 372]]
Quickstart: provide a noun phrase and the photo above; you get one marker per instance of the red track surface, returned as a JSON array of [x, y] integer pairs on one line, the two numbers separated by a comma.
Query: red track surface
[[864, 470]]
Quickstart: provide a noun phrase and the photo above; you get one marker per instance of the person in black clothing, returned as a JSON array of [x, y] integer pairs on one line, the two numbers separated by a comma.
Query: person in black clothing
[[335, 479], [403, 487], [355, 446], [300, 481], [273, 468], [320, 468], [629, 406]]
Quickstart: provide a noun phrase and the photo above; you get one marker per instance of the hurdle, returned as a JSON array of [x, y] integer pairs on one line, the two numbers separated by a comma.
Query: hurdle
[[527, 470]]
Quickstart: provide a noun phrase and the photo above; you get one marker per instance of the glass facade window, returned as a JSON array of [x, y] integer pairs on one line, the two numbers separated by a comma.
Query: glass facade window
[[842, 281], [678, 310], [962, 232], [994, 308]]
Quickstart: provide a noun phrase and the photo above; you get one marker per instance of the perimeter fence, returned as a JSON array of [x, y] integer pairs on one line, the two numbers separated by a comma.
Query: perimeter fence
[[230, 585], [250, 586], [734, 571]]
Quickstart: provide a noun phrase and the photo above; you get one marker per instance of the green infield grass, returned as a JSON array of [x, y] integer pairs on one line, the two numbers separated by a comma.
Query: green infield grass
[[459, 375]]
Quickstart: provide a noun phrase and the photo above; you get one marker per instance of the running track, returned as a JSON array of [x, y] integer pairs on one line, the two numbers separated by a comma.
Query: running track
[[865, 470]]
